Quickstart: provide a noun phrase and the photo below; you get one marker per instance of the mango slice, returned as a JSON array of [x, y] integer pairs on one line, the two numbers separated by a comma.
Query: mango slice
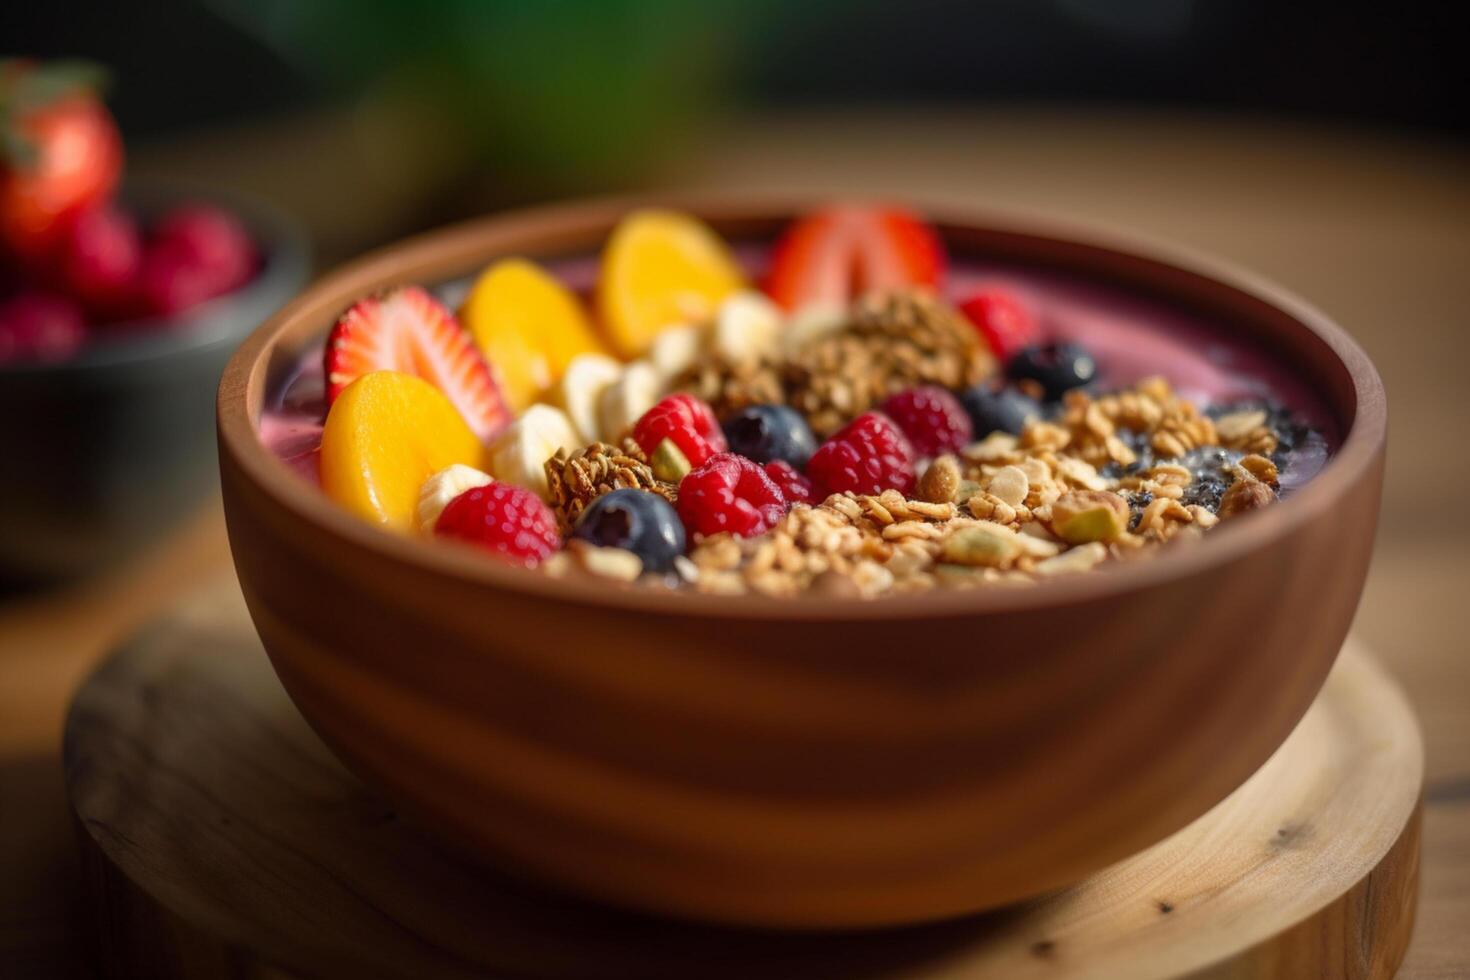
[[529, 327], [661, 268], [386, 434]]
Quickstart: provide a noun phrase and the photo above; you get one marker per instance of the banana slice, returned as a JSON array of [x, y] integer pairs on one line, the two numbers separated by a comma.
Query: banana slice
[[812, 322], [586, 378], [519, 455], [747, 327], [625, 400], [675, 349], [439, 489]]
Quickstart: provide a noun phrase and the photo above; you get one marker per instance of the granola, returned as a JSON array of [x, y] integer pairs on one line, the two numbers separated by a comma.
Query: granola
[[1012, 509], [893, 342], [575, 480]]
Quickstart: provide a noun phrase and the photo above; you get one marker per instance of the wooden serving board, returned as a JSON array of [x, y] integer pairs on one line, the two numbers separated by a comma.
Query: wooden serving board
[[224, 840]]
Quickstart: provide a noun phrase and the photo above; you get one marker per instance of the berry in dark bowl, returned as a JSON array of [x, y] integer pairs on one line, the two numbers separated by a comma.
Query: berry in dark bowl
[[110, 427], [60, 153], [117, 314], [766, 433], [637, 521], [65, 233], [37, 326]]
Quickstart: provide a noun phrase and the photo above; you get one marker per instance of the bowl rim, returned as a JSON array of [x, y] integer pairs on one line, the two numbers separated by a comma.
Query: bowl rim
[[424, 255], [285, 252]]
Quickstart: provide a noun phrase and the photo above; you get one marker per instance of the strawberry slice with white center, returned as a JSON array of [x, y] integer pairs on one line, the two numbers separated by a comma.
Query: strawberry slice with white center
[[406, 329], [832, 256]]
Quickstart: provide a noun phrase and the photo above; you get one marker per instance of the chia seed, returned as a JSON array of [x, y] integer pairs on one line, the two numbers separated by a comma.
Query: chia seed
[[1301, 450], [1210, 466], [1137, 503]]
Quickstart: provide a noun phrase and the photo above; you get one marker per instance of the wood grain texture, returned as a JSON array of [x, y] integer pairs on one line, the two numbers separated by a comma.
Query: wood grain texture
[[800, 753], [224, 840]]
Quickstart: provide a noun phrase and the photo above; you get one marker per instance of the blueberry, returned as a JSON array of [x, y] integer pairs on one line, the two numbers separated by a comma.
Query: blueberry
[[637, 521], [1004, 409], [1058, 368], [766, 433]]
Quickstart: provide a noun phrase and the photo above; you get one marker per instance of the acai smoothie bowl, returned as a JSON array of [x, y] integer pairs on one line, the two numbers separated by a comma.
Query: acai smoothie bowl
[[799, 564]]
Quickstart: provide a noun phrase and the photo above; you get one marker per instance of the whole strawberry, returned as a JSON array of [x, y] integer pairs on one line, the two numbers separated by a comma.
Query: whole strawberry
[[686, 420], [870, 455], [60, 152], [508, 521], [932, 418], [729, 493]]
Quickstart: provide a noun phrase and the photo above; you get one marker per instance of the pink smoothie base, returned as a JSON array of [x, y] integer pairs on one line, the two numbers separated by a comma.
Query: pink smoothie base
[[1131, 337]]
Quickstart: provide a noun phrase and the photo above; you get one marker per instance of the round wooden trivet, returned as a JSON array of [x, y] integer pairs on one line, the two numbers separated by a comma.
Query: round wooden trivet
[[224, 840]]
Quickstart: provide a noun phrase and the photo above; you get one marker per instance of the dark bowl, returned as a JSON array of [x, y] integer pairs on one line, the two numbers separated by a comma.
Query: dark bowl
[[104, 450], [815, 763]]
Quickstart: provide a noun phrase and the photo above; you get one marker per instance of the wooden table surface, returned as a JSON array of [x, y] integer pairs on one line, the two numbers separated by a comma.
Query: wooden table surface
[[1372, 228]]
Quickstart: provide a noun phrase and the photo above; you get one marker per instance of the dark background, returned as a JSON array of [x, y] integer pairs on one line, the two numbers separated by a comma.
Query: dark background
[[186, 63]]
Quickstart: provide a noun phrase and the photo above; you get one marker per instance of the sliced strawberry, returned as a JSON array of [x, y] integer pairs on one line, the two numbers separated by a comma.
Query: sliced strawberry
[[836, 254], [406, 329]]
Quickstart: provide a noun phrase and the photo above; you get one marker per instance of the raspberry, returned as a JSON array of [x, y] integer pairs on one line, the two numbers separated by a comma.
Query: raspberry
[[214, 240], [729, 493], [796, 488], [932, 418], [686, 420], [196, 252], [100, 258], [171, 280], [40, 327], [1003, 320], [869, 456], [511, 522]]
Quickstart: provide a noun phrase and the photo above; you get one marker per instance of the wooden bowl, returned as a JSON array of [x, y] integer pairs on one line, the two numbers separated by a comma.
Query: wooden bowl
[[822, 763]]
